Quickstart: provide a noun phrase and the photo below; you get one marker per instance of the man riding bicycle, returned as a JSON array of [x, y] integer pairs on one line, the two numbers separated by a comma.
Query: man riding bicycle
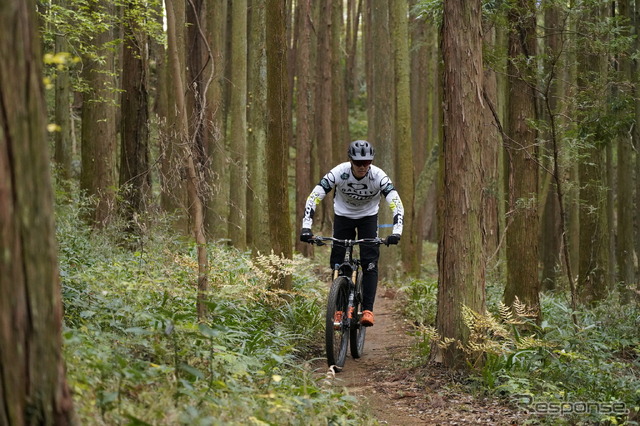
[[359, 187]]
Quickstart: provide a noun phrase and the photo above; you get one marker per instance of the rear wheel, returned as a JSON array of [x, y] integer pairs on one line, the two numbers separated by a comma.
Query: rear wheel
[[337, 329], [357, 331]]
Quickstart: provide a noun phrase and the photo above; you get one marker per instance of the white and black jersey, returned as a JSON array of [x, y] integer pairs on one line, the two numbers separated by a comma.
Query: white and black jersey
[[355, 198]]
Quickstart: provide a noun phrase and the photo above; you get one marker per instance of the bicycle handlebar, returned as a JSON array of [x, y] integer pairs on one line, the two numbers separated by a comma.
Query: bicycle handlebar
[[320, 241]]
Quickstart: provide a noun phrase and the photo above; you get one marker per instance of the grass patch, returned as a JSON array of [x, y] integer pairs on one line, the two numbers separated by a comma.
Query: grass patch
[[136, 353]]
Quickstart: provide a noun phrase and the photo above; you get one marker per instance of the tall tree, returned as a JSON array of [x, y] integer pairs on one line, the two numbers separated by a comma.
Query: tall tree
[[636, 136], [278, 130], [187, 143], [461, 265], [626, 171], [99, 116], [63, 141], [323, 106], [551, 221], [491, 154], [426, 98], [404, 142], [381, 110], [33, 388], [593, 278], [304, 109], [521, 160], [339, 105], [238, 125], [257, 212], [218, 205], [135, 179]]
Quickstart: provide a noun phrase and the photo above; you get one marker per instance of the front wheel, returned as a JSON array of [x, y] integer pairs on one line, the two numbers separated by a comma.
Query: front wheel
[[357, 331], [337, 323]]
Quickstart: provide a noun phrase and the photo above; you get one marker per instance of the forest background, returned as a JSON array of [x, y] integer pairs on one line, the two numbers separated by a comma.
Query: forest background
[[509, 129]]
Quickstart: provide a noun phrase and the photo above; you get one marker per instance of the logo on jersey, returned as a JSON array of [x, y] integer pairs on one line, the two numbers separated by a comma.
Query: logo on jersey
[[325, 184], [357, 186]]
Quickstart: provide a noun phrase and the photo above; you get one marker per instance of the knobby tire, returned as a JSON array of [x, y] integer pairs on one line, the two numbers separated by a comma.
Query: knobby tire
[[337, 338]]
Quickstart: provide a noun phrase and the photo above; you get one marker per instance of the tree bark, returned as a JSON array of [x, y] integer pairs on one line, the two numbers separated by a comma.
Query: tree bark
[[593, 278], [381, 114], [218, 205], [324, 213], [278, 130], [304, 112], [626, 174], [461, 263], [62, 137], [339, 106], [403, 136], [135, 180], [33, 388], [187, 143], [257, 199], [99, 122], [522, 162], [238, 126]]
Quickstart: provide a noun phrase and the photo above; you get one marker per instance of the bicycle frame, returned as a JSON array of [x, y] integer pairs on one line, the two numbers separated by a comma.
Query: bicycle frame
[[349, 266]]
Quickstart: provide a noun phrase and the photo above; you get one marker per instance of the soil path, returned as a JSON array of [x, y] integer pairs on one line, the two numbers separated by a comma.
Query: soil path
[[397, 394]]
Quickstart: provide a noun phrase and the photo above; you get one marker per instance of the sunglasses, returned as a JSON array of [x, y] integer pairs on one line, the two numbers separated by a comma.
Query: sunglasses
[[361, 163]]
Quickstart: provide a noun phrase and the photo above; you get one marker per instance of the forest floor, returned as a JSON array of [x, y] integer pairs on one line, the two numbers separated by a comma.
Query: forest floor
[[396, 393]]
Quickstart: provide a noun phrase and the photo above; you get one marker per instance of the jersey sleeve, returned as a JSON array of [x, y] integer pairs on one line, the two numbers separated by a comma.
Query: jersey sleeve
[[395, 203], [326, 184]]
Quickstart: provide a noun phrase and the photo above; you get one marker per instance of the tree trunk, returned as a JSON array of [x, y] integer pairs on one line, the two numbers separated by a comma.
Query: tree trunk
[[135, 180], [354, 12], [552, 225], [33, 388], [421, 59], [257, 211], [593, 279], [626, 201], [461, 263], [187, 143], [62, 137], [238, 123], [218, 205], [324, 213], [304, 112], [522, 162], [491, 160], [278, 130], [339, 107], [403, 139], [381, 95], [99, 122], [636, 141]]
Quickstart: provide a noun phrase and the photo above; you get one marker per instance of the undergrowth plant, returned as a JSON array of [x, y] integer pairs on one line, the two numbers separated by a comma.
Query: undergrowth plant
[[136, 353], [560, 374]]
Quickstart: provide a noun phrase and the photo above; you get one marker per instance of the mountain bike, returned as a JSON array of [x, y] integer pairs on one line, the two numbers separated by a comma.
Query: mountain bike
[[344, 304]]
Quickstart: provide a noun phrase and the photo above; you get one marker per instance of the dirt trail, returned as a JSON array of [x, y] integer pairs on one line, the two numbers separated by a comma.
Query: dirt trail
[[396, 394]]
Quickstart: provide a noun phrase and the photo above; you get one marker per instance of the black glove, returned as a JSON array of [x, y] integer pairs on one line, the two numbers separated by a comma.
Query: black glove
[[306, 235], [392, 239]]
